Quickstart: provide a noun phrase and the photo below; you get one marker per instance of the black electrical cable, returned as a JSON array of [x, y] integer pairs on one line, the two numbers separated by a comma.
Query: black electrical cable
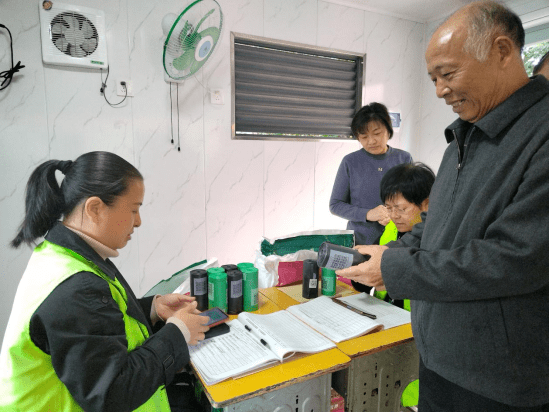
[[178, 107], [8, 74], [171, 115], [104, 86]]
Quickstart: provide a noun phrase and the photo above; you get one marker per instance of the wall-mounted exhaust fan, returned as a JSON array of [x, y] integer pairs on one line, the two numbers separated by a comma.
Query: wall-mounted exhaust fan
[[72, 35]]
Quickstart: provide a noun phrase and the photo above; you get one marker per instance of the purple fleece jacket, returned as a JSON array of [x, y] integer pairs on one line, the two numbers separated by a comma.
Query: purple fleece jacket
[[357, 189]]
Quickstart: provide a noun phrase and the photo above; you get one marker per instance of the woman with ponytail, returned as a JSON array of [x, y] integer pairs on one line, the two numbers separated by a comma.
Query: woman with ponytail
[[78, 338]]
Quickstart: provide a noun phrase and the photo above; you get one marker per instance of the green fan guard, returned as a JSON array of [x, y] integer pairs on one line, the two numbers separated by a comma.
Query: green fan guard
[[192, 47]]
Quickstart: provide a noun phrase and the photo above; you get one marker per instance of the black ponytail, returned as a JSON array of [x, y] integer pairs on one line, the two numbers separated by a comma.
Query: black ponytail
[[100, 174]]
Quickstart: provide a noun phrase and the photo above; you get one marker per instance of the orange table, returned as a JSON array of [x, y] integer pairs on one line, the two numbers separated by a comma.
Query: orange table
[[289, 374], [382, 363]]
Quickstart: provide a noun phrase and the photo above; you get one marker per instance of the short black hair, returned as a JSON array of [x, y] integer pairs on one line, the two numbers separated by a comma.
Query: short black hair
[[539, 65], [413, 181], [372, 112]]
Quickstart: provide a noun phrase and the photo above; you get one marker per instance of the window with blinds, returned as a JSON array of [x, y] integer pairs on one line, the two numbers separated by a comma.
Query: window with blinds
[[290, 91]]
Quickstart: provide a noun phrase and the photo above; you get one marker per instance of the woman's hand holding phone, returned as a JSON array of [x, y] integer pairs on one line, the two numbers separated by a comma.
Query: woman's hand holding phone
[[194, 322]]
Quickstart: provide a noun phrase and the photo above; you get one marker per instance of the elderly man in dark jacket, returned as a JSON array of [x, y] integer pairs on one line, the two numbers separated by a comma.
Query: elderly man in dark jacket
[[476, 268]]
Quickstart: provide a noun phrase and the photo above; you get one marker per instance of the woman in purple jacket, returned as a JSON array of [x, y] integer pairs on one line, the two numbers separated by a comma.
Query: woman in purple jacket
[[356, 192]]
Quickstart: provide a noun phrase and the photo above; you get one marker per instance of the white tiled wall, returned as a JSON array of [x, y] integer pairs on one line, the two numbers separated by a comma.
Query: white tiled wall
[[217, 197]]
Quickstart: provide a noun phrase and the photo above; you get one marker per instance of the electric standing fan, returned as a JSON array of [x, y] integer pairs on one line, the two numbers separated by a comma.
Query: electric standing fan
[[191, 39]]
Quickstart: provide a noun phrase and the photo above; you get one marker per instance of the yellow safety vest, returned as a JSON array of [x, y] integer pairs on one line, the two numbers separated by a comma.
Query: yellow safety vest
[[28, 381], [410, 393]]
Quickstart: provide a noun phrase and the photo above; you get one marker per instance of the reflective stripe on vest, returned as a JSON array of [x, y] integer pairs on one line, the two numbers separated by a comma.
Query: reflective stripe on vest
[[389, 235], [28, 381], [410, 393]]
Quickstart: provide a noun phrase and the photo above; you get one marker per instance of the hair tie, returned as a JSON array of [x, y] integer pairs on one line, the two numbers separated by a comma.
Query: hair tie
[[64, 166]]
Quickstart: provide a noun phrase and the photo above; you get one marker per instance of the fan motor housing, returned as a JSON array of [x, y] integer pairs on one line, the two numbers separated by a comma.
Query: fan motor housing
[[73, 36]]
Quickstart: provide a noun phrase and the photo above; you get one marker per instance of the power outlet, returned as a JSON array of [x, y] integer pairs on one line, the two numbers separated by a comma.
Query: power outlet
[[216, 97], [120, 91]]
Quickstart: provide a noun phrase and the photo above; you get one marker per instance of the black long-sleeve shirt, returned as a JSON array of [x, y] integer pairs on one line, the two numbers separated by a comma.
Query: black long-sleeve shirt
[[81, 327]]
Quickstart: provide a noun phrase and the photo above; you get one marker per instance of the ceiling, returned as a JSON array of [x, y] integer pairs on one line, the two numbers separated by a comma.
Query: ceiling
[[424, 11]]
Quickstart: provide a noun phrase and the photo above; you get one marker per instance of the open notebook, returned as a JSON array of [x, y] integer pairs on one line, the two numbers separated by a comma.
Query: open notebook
[[255, 341]]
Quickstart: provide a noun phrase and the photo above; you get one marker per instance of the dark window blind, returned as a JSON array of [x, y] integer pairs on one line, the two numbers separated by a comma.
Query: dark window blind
[[289, 91]]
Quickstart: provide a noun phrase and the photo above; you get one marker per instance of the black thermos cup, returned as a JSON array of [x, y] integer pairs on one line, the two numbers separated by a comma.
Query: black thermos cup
[[228, 268], [337, 257], [199, 288], [234, 292], [310, 279]]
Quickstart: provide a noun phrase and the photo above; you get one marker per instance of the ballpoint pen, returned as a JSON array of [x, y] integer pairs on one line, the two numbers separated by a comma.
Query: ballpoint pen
[[360, 312], [263, 342]]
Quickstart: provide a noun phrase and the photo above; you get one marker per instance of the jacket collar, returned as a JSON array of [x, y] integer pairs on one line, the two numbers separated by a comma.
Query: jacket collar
[[64, 237], [379, 156], [494, 122]]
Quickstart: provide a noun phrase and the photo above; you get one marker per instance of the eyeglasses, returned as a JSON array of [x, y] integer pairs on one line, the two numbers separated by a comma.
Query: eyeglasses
[[396, 211]]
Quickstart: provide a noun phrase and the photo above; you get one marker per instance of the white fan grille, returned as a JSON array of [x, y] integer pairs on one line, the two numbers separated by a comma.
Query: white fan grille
[[74, 34]]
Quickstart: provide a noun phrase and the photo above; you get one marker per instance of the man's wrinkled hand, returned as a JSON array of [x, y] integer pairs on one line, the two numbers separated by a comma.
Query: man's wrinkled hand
[[368, 273]]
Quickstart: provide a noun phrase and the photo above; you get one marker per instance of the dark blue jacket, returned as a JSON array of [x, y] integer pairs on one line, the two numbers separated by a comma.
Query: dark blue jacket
[[356, 189], [476, 270]]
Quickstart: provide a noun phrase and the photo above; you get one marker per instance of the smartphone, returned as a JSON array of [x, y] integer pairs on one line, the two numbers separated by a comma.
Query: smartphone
[[216, 316]]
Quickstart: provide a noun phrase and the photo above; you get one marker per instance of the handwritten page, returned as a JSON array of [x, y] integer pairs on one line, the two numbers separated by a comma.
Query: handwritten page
[[230, 354], [334, 321], [387, 314]]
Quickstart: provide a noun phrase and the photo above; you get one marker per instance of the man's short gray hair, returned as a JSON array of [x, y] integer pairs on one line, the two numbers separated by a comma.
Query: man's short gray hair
[[488, 20]]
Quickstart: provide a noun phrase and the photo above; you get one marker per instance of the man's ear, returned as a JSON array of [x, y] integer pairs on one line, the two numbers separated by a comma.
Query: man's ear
[[93, 208], [424, 205], [505, 48]]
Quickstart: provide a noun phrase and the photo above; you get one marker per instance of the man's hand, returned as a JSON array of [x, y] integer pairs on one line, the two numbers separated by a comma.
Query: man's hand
[[368, 273], [167, 305], [379, 214]]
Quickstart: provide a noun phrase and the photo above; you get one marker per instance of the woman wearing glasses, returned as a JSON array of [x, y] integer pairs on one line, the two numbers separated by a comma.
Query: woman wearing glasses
[[405, 191]]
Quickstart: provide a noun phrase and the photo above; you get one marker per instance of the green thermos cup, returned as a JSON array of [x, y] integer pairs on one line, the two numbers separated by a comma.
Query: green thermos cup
[[217, 288], [250, 288], [328, 282]]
